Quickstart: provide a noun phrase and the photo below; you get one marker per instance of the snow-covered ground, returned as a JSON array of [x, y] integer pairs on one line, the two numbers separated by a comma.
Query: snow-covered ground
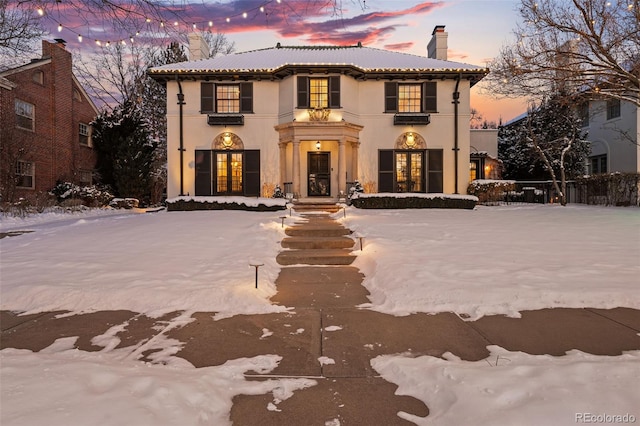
[[474, 262]]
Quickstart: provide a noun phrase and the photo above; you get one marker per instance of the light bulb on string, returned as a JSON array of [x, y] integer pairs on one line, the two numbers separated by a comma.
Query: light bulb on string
[[80, 38], [40, 11], [244, 14], [211, 23], [228, 19], [59, 27]]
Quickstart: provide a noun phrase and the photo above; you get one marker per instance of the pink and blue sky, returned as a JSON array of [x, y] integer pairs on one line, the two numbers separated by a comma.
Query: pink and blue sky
[[477, 29]]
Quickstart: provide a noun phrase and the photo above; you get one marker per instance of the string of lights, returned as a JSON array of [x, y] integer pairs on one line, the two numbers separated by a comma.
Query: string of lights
[[146, 23]]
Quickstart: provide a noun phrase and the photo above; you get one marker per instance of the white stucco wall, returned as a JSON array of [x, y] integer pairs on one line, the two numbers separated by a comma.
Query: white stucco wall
[[617, 138], [274, 103]]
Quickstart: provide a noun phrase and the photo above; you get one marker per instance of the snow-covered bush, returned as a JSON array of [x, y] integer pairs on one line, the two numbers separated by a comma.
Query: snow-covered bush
[[91, 196], [490, 191]]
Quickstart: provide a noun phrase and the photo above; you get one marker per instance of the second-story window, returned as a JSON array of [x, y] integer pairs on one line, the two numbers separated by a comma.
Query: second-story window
[[84, 134], [226, 98], [25, 115], [613, 108], [319, 92], [410, 97]]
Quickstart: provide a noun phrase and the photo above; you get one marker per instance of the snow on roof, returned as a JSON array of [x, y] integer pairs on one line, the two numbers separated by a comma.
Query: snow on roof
[[274, 58]]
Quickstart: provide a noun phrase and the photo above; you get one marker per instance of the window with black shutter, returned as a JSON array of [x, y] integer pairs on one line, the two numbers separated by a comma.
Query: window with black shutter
[[435, 170], [227, 172], [405, 170], [401, 97], [430, 97], [391, 97], [252, 173], [385, 170], [203, 172], [319, 92], [226, 98]]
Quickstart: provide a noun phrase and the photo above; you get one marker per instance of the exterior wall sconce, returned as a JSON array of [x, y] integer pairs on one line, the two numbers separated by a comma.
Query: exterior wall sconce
[[318, 145]]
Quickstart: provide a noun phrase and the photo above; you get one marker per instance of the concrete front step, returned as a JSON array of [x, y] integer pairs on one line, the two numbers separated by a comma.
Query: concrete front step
[[319, 207], [317, 242], [316, 231], [315, 257]]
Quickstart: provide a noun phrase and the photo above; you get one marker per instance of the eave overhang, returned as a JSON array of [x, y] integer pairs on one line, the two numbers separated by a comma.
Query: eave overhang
[[472, 75]]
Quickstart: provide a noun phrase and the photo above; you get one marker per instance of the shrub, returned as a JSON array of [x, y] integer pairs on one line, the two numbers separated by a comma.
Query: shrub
[[613, 189], [191, 205], [490, 191], [439, 201], [91, 196]]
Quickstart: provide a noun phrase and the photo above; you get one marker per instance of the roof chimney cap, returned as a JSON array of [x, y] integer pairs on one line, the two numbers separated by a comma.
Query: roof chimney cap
[[60, 41], [438, 29]]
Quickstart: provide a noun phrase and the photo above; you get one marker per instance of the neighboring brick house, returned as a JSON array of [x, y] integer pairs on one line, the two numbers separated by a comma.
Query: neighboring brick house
[[45, 121], [313, 119]]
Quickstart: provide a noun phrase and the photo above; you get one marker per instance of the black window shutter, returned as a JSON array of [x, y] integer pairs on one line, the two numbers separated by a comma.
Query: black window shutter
[[303, 92], [385, 170], [430, 97], [203, 172], [334, 92], [252, 173], [206, 97], [246, 97], [435, 170], [390, 97]]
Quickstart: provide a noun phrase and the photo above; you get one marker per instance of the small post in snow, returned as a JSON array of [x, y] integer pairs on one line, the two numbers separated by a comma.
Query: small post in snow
[[256, 265], [282, 218], [360, 238]]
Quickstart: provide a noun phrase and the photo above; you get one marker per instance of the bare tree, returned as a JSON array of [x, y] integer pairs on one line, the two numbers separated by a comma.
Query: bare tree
[[219, 44], [19, 32], [580, 47]]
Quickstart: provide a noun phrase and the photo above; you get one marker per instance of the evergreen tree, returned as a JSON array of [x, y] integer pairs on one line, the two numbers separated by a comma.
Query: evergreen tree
[[548, 141], [125, 151]]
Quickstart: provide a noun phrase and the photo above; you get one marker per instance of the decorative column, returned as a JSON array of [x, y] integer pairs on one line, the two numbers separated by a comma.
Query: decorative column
[[296, 167], [283, 163], [354, 160], [342, 167]]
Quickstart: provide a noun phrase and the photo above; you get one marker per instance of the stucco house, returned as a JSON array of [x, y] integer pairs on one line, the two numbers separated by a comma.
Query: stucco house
[[484, 162], [45, 132], [613, 128], [312, 119]]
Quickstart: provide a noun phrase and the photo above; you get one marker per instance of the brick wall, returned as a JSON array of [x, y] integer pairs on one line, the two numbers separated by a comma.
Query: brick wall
[[54, 145]]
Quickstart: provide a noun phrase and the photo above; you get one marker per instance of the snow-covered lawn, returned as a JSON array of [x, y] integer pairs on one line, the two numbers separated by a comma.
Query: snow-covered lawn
[[473, 262]]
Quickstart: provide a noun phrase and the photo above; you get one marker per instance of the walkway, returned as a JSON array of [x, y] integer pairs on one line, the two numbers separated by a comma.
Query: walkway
[[328, 338]]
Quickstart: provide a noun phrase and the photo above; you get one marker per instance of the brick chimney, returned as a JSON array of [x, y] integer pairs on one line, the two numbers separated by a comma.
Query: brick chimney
[[198, 47], [437, 47]]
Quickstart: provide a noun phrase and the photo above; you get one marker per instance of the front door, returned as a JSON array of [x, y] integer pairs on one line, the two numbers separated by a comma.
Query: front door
[[319, 171]]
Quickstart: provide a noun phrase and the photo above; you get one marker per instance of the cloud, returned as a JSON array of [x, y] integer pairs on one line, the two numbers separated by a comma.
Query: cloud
[[312, 21], [399, 46]]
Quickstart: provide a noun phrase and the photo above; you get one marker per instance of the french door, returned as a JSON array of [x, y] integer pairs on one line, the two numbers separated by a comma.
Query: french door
[[227, 172]]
